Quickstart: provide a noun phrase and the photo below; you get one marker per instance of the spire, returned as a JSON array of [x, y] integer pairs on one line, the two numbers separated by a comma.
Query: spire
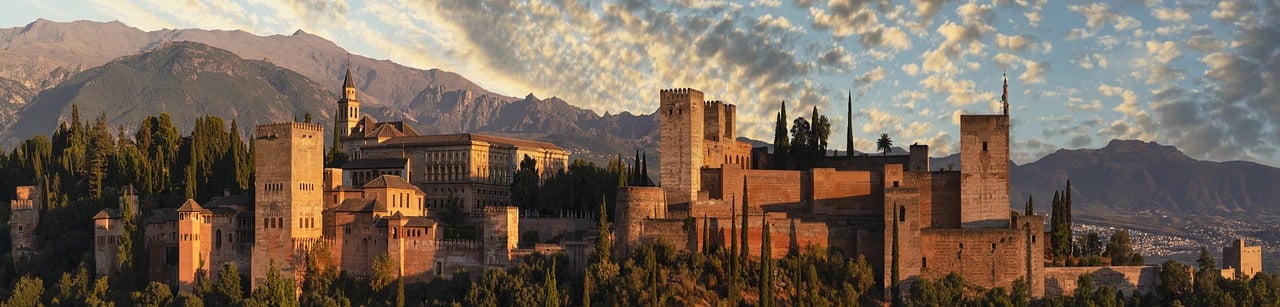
[[1004, 98], [348, 83], [848, 142]]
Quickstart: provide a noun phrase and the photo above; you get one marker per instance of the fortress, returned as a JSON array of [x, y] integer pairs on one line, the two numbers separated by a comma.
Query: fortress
[[896, 211]]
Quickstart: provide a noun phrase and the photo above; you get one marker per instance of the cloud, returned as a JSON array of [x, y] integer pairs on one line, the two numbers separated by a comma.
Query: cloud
[[1013, 42], [873, 76], [1098, 15], [837, 59], [959, 92], [1129, 101], [1035, 72]]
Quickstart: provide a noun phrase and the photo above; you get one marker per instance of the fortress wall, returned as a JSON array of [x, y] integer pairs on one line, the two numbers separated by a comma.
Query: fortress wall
[[773, 190], [456, 256], [787, 234], [1061, 281], [843, 192], [668, 231], [988, 257], [939, 198], [548, 228], [419, 258]]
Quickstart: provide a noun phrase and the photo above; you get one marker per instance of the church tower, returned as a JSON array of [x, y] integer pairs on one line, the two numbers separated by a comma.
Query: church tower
[[348, 107]]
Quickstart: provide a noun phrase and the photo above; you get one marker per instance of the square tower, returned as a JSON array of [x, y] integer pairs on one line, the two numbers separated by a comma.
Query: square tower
[[288, 195], [680, 134], [984, 171], [1246, 260], [25, 215]]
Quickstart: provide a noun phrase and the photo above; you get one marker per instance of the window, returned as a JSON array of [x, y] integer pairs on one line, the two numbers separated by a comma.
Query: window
[[984, 146], [902, 214], [924, 262]]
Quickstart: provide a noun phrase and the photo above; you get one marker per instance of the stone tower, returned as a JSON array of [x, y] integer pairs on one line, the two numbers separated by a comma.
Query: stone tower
[[501, 234], [25, 215], [348, 107], [192, 254], [984, 170], [288, 195], [681, 127], [1246, 260]]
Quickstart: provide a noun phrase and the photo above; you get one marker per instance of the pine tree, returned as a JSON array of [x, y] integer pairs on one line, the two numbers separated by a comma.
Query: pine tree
[[551, 296]]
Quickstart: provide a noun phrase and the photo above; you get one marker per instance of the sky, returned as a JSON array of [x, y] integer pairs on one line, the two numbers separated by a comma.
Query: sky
[[1198, 74]]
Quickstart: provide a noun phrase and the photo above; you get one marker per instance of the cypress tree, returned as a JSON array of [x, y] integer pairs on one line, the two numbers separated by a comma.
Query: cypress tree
[[781, 143], [766, 264], [706, 235], [1031, 208], [745, 251]]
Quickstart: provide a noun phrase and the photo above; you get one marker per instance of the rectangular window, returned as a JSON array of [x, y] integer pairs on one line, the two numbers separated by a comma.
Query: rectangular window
[[984, 146]]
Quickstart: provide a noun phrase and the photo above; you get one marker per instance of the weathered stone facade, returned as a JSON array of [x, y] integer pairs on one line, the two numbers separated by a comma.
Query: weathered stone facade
[[1242, 259], [288, 200], [940, 221], [24, 215]]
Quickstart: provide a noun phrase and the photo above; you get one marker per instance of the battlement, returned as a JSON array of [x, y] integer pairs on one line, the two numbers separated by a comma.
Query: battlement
[[26, 192], [678, 92], [272, 130]]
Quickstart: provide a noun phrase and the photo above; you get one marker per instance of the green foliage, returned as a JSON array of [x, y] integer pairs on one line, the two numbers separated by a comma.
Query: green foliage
[[1120, 249], [276, 290], [26, 293], [884, 144], [155, 295], [228, 291], [524, 184], [781, 144]]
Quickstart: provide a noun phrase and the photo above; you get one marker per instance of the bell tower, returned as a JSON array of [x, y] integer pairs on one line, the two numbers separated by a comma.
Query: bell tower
[[348, 107]]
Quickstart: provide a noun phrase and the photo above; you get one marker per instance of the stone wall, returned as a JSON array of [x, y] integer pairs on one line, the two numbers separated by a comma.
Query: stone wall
[[844, 192], [1061, 281], [549, 228], [634, 206], [988, 258], [939, 197]]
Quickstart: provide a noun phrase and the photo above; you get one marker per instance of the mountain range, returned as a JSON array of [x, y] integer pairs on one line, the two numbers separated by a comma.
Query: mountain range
[[44, 54], [125, 74]]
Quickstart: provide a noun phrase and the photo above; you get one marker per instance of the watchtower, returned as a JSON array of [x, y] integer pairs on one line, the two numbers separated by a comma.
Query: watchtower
[[984, 169], [288, 195], [681, 136], [25, 210]]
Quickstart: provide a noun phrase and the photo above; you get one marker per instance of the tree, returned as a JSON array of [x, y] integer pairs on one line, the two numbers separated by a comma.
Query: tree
[[228, 291], [277, 290], [745, 207], [766, 264], [156, 294], [1120, 249], [884, 144], [802, 143], [26, 292], [551, 296], [1174, 280], [781, 144], [604, 243], [524, 184], [821, 129], [1031, 208]]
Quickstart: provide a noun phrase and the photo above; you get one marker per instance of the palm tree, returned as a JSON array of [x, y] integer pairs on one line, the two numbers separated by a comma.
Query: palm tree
[[884, 144]]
